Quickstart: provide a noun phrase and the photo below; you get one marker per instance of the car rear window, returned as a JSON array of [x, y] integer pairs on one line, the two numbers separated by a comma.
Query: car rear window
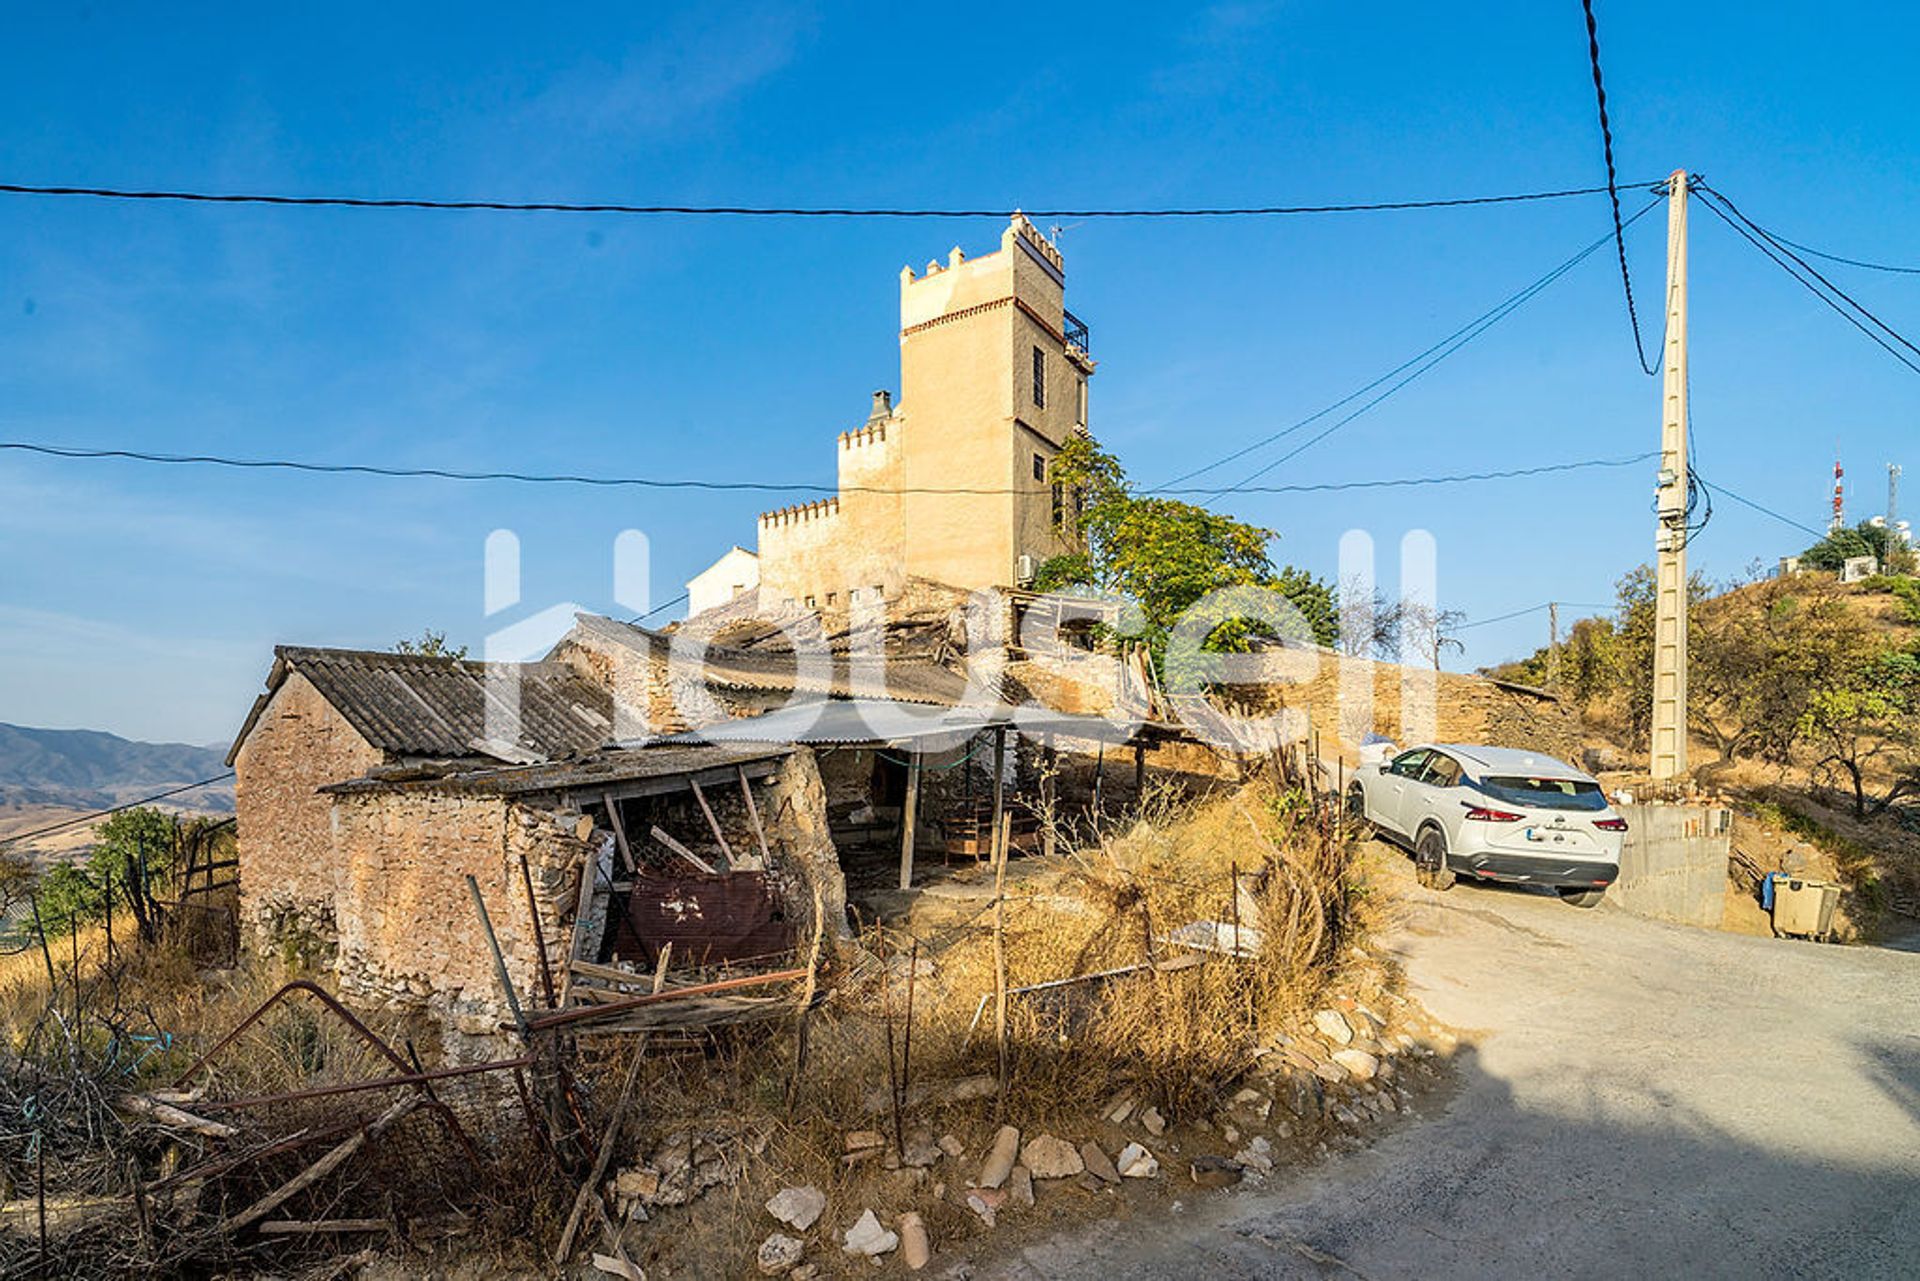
[[1547, 793]]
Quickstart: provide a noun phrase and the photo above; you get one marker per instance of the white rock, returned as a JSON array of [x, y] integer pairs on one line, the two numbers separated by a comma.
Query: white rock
[[1257, 1155], [1048, 1157], [1359, 1062], [780, 1254], [1000, 1159], [798, 1208], [867, 1237], [1333, 1025], [1135, 1162]]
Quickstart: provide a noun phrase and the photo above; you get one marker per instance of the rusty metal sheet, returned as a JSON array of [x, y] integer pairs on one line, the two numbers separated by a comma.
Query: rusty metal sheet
[[708, 919]]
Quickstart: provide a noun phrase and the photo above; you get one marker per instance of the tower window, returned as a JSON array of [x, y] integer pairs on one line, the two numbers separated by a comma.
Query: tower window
[[1039, 378], [1039, 467]]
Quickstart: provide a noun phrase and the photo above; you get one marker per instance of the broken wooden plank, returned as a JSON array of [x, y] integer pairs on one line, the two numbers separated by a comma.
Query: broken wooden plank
[[333, 1160], [719, 837], [683, 852], [562, 1017], [619, 830], [759, 829], [618, 1268], [321, 1227], [174, 1118]]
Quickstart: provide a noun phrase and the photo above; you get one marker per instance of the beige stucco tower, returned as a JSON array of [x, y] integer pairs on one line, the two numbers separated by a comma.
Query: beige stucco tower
[[993, 380]]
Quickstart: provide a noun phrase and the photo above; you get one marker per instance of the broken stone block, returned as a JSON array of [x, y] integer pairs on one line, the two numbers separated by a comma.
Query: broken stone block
[[636, 1185], [1098, 1163], [986, 1203], [799, 1208], [1214, 1171], [1333, 1025], [915, 1249], [1135, 1162], [1152, 1122], [865, 1140], [1362, 1065], [1119, 1109], [867, 1237], [1020, 1185], [779, 1254], [921, 1151], [1048, 1157], [1257, 1155], [951, 1145], [1000, 1158]]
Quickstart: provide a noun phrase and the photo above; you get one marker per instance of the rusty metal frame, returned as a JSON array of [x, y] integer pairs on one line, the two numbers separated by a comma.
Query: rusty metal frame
[[408, 1076]]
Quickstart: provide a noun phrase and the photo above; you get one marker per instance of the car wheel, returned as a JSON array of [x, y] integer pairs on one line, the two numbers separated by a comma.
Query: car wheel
[[1583, 898], [1430, 860], [1357, 810]]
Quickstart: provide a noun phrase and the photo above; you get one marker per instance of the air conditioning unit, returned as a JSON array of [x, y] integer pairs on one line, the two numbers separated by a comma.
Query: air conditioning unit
[[1023, 570]]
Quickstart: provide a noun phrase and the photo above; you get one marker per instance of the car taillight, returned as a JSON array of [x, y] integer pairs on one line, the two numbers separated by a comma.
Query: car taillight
[[1611, 824], [1486, 815]]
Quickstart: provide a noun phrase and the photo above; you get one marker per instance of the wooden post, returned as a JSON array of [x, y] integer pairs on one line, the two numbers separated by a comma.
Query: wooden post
[[720, 837], [806, 1000], [1139, 772], [619, 830], [539, 937], [753, 812], [908, 815], [685, 853], [499, 961], [1001, 829]]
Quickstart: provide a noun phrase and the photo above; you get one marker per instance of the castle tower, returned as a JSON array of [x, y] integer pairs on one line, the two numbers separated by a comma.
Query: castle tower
[[993, 381]]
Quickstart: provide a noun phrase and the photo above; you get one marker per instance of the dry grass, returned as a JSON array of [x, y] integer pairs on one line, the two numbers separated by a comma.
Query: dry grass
[[1181, 1040]]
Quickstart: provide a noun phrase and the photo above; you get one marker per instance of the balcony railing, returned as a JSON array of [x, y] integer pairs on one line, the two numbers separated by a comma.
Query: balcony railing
[[1075, 330]]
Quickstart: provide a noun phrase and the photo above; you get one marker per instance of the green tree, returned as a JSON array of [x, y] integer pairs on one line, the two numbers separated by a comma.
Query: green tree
[[431, 644], [1864, 539], [1167, 555], [133, 854], [1865, 722]]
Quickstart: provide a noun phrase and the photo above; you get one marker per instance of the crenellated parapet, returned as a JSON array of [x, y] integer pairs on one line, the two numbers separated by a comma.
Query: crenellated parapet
[[801, 513]]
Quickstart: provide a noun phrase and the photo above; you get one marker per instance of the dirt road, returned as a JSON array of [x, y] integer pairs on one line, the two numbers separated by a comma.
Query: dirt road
[[1639, 1100]]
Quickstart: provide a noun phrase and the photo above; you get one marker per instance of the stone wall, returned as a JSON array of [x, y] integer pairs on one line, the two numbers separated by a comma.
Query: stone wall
[[408, 933], [299, 745]]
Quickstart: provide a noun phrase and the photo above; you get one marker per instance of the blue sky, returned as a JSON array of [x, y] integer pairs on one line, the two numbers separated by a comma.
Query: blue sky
[[146, 600]]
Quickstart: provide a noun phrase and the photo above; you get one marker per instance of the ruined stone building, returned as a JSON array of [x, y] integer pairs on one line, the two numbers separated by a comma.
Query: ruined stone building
[[993, 381]]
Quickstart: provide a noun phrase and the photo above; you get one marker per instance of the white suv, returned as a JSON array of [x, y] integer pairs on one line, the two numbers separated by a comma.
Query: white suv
[[1493, 814]]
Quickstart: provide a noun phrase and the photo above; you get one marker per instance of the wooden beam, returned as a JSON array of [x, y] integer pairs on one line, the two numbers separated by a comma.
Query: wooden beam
[[720, 837], [759, 830], [909, 813], [683, 851], [619, 830]]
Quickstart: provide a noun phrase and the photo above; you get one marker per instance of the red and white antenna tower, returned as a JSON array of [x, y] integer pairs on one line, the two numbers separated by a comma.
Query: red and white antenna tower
[[1839, 498]]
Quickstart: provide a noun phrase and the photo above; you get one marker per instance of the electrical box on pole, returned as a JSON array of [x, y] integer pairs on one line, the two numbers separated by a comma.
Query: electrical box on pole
[[1670, 572]]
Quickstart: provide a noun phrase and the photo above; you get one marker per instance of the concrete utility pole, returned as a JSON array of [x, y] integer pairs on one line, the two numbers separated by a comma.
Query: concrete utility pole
[[1553, 644], [1670, 545]]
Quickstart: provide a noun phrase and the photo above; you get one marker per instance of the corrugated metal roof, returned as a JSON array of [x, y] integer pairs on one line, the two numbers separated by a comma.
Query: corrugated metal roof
[[878, 721], [610, 767], [814, 670], [415, 705]]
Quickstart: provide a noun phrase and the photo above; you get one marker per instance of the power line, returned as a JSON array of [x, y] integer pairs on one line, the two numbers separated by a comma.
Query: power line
[[1710, 199], [1445, 348], [1812, 271], [98, 814], [1851, 262], [534, 478], [1531, 609], [1613, 191], [660, 609], [776, 211], [1764, 511]]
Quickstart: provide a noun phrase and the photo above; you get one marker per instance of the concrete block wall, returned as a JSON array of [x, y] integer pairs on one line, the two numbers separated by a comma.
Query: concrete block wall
[[1673, 865]]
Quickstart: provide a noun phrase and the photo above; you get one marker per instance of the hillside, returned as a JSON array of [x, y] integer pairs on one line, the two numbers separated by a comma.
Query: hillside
[[88, 769]]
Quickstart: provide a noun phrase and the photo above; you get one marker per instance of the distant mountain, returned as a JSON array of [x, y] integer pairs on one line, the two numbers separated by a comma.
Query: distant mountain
[[87, 769]]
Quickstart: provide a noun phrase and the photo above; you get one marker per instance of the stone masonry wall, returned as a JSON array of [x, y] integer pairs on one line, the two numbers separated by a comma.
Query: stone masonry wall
[[299, 745], [408, 932]]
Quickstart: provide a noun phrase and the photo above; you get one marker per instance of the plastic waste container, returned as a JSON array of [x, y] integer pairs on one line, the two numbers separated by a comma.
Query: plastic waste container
[[1803, 907]]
